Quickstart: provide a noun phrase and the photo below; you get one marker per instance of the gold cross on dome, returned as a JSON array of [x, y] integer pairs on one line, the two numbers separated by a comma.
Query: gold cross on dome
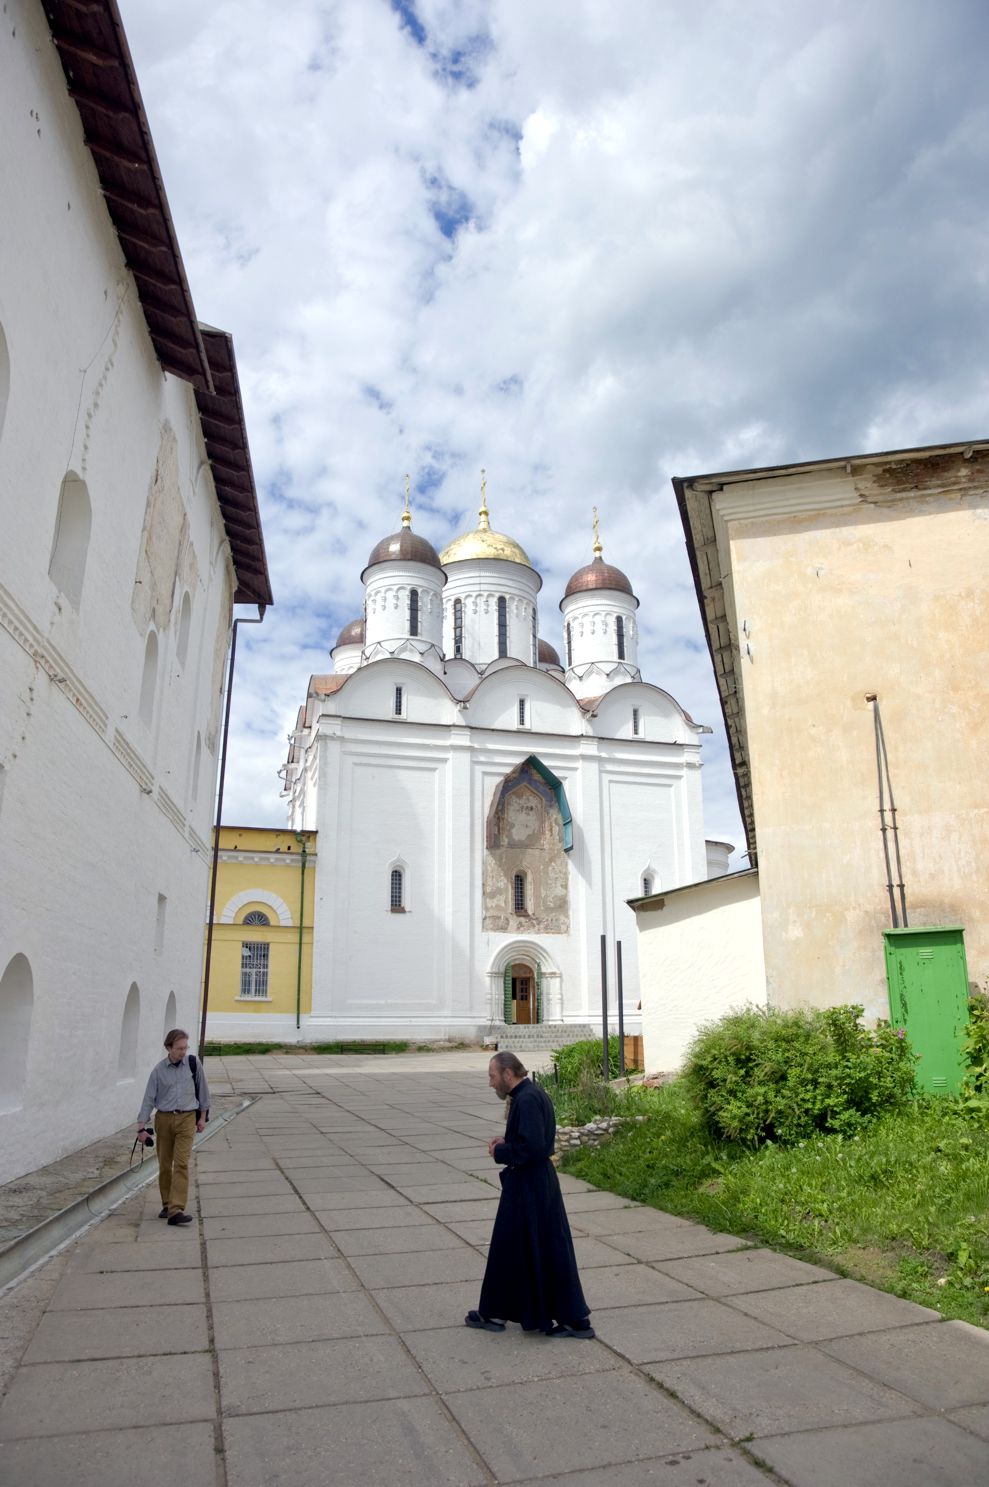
[[407, 513], [598, 549]]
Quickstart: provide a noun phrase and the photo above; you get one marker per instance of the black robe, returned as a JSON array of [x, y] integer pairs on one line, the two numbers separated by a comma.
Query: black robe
[[531, 1275]]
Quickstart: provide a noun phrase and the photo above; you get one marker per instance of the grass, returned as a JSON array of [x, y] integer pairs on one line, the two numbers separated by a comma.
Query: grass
[[904, 1205]]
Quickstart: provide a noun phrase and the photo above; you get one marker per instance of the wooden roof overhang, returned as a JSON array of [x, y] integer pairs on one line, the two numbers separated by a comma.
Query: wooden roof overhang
[[100, 77]]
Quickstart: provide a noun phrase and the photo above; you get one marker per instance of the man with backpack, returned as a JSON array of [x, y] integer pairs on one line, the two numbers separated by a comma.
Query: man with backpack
[[178, 1093]]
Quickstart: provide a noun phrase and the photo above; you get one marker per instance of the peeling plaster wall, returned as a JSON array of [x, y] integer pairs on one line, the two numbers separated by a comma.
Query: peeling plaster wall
[[525, 835], [884, 594]]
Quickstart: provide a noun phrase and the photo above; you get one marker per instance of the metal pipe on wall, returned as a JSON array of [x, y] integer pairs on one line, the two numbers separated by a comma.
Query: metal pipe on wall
[[606, 1066], [619, 992]]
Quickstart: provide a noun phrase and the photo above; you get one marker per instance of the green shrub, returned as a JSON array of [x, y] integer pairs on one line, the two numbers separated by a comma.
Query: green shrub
[[579, 1060], [975, 1049], [784, 1076]]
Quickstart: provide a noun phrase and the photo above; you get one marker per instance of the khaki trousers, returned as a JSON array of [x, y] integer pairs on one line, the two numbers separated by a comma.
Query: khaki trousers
[[174, 1130]]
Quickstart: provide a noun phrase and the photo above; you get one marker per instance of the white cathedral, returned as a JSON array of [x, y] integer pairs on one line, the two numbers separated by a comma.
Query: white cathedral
[[485, 810]]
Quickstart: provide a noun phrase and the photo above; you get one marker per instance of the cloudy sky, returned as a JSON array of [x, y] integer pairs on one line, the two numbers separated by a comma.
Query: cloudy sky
[[588, 244]]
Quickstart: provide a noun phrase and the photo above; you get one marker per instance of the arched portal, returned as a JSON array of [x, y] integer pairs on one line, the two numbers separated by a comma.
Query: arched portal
[[526, 986], [525, 1008]]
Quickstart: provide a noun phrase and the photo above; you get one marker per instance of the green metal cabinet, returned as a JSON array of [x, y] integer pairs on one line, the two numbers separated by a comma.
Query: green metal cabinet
[[928, 997]]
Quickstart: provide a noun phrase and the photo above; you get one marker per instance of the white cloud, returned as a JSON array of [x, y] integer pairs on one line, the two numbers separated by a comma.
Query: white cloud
[[589, 244]]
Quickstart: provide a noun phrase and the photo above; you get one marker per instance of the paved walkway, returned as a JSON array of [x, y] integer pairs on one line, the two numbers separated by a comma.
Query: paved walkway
[[309, 1330]]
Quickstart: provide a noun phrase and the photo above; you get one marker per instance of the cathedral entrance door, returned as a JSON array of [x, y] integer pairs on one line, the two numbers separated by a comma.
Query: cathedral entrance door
[[523, 994]]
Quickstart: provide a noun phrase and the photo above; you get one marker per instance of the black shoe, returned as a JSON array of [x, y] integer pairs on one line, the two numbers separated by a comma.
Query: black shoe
[[180, 1218], [568, 1329], [484, 1324], [164, 1212]]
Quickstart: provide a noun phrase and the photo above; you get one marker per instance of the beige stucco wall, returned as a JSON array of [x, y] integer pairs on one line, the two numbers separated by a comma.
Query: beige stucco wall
[[887, 595], [700, 956]]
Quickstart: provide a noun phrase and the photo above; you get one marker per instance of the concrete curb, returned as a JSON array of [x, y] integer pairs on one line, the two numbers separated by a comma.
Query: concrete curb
[[41, 1242]]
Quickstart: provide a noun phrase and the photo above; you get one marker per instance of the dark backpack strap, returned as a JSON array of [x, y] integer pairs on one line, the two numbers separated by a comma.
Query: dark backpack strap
[[194, 1071]]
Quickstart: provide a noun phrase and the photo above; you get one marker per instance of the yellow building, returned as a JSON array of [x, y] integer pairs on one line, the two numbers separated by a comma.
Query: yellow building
[[261, 972]]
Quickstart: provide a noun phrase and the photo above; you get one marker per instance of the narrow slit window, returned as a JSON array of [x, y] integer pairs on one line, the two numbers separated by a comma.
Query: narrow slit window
[[519, 895], [569, 646], [399, 701], [523, 713], [535, 638], [413, 611], [636, 721], [647, 885], [254, 970], [458, 627], [502, 626], [396, 891], [620, 636]]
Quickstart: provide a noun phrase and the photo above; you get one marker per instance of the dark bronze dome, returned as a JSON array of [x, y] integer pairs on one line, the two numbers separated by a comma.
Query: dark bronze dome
[[405, 546], [546, 655], [598, 575], [352, 634]]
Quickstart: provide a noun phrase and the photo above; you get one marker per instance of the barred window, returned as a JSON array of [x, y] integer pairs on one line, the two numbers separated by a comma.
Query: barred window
[[413, 611], [253, 969], [399, 701], [620, 635], [458, 627], [535, 639], [569, 645], [636, 721], [502, 626], [256, 917], [647, 885], [396, 892], [523, 712], [519, 895]]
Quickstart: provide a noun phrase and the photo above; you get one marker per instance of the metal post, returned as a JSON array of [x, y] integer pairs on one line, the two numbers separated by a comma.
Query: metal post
[[219, 816], [606, 1066], [619, 991]]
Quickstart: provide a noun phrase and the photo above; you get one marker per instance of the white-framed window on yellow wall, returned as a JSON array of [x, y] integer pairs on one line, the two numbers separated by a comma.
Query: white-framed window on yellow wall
[[254, 970]]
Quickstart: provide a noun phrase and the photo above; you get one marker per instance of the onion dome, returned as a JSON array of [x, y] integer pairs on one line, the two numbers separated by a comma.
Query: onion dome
[[482, 543], [352, 634], [546, 655], [404, 546], [598, 574]]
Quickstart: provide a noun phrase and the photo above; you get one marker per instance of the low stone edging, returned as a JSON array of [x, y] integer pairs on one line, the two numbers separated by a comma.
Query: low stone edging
[[602, 1128]]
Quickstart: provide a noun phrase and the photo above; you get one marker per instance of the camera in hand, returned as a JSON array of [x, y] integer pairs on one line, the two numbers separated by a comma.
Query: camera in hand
[[146, 1136]]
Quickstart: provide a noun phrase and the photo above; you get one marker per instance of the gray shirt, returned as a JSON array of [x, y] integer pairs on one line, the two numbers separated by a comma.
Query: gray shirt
[[172, 1087]]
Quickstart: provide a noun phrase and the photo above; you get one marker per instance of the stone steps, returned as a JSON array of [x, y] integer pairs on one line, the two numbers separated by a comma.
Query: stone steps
[[538, 1037]]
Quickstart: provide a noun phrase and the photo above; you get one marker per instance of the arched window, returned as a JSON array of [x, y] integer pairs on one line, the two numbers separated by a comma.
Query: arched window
[[396, 891], [70, 544], [413, 611], [256, 917], [458, 627], [502, 626], [16, 1003], [569, 645], [149, 679], [620, 636], [519, 896], [129, 1029], [185, 625], [647, 885]]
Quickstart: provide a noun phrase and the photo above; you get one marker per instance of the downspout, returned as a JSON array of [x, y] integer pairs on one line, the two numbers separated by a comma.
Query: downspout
[[300, 838]]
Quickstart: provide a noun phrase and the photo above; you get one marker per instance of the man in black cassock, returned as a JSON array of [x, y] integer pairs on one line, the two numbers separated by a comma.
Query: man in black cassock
[[531, 1275]]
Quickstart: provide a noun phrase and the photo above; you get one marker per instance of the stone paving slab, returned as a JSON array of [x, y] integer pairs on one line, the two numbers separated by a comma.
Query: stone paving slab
[[628, 1285], [975, 1419], [566, 1424], [104, 1458], [444, 1192], [118, 1332], [375, 1445], [779, 1390], [291, 1278], [128, 1288], [464, 1209], [455, 1358], [943, 1365], [736, 1272], [713, 1467], [593, 1252], [377, 1272], [415, 1308], [681, 1329], [303, 1374], [229, 1207], [170, 1254], [271, 1249], [286, 1319], [256, 1225], [385, 1198], [832, 1308], [59, 1398], [408, 1216], [910, 1453], [674, 1243], [411, 1240], [636, 1220]]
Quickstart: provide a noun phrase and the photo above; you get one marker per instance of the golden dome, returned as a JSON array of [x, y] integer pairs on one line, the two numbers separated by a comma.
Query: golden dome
[[483, 544]]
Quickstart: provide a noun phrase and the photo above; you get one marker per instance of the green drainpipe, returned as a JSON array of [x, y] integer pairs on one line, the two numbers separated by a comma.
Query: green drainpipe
[[302, 918]]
